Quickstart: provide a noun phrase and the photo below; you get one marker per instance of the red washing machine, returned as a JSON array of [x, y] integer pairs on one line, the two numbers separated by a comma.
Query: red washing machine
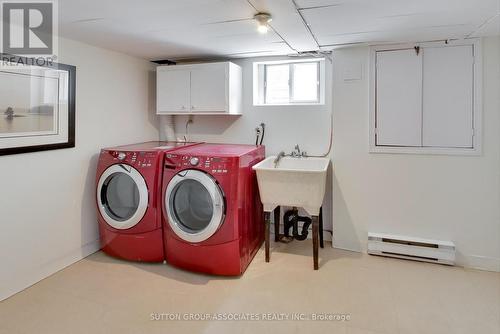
[[128, 185], [212, 214]]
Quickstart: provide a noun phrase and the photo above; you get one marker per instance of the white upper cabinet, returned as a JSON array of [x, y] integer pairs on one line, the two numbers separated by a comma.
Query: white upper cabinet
[[173, 89], [426, 99], [210, 88]]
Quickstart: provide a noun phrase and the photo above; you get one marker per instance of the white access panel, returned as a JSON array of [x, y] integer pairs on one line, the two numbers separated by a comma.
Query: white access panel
[[172, 89], [398, 98], [448, 96]]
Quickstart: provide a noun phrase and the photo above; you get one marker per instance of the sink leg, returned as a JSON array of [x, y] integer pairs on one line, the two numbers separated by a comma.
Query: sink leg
[[321, 242], [277, 214], [267, 221], [315, 225]]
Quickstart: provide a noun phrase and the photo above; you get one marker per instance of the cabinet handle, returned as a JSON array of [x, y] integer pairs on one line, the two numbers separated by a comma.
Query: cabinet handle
[[192, 107], [183, 107]]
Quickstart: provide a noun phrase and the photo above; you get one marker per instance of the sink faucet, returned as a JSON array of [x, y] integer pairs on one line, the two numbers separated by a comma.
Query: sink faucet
[[297, 153], [278, 158]]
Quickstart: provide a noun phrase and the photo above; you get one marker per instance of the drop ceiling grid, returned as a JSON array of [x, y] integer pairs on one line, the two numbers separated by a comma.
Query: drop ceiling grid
[[158, 29], [393, 20]]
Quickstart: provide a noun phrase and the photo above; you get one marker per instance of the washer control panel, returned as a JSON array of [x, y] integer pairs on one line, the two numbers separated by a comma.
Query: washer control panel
[[138, 159], [212, 165]]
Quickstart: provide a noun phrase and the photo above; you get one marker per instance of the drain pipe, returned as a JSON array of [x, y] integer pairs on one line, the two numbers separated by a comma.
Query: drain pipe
[[291, 220], [167, 128]]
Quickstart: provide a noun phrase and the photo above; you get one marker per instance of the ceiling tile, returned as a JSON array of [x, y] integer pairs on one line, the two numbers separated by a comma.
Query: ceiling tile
[[490, 28], [403, 18], [159, 29]]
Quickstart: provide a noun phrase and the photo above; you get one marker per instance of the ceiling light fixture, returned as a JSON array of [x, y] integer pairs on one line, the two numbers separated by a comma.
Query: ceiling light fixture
[[263, 20]]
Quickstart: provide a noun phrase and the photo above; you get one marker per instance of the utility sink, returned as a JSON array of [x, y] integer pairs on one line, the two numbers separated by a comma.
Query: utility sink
[[298, 182]]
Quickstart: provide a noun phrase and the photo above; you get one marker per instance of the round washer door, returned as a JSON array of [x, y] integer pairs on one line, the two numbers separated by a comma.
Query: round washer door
[[122, 196], [194, 204]]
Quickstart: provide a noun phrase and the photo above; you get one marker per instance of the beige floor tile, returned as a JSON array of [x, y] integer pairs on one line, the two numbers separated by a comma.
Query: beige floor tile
[[419, 308], [218, 327], [471, 299], [355, 330], [321, 327], [268, 327], [6, 330], [381, 296], [44, 311]]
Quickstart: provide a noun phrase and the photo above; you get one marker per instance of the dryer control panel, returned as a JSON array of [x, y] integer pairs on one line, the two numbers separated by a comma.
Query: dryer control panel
[[212, 165]]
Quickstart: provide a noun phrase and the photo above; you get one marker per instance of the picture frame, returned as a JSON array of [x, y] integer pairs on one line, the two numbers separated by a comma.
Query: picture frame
[[37, 105]]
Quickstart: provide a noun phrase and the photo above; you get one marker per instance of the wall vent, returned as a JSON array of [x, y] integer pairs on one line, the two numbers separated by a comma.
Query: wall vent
[[435, 251]]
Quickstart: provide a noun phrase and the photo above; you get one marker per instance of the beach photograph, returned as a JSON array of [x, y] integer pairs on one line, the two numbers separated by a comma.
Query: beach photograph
[[27, 104]]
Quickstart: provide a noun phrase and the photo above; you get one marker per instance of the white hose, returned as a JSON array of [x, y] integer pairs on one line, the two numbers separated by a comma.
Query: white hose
[[330, 140]]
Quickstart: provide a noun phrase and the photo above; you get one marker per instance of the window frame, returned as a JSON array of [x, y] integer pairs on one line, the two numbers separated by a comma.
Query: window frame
[[260, 82], [477, 102]]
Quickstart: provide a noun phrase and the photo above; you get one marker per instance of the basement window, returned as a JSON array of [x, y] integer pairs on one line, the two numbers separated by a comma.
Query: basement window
[[298, 82]]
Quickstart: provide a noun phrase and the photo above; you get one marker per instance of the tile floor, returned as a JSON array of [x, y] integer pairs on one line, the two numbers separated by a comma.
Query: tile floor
[[103, 295]]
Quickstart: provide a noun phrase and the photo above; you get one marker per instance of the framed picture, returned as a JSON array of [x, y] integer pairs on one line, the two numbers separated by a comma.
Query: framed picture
[[37, 105]]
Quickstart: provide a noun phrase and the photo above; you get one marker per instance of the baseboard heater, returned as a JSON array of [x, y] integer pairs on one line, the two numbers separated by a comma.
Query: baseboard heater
[[435, 251]]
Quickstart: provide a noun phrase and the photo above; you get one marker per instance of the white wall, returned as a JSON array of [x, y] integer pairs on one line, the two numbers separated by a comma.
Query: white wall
[[308, 126], [47, 209], [440, 197]]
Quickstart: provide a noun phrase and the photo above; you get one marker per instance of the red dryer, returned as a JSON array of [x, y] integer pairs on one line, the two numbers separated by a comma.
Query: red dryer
[[128, 184], [212, 214]]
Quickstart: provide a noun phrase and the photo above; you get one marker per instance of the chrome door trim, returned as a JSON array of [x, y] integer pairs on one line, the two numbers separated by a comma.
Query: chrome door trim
[[216, 194], [143, 196]]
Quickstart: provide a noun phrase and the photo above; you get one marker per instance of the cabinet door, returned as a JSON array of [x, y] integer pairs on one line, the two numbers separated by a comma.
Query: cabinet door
[[399, 98], [173, 90], [448, 96], [209, 88]]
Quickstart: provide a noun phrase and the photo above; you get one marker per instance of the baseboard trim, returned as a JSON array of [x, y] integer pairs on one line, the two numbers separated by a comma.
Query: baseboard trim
[[467, 261], [480, 262], [347, 249]]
